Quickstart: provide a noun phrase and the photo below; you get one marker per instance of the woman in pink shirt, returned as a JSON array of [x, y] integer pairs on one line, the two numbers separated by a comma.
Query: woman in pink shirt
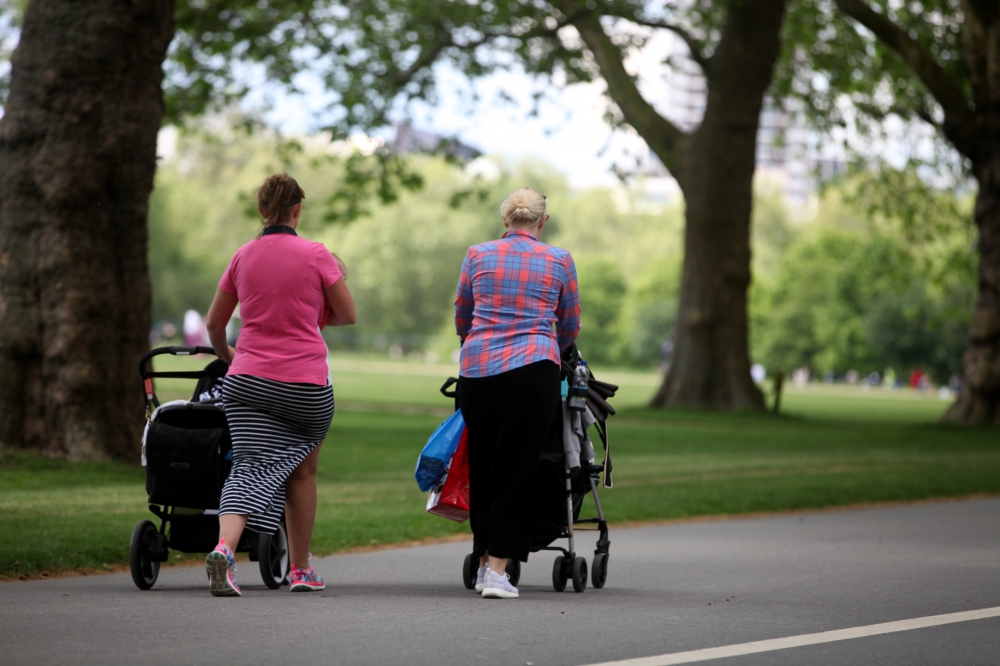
[[277, 394]]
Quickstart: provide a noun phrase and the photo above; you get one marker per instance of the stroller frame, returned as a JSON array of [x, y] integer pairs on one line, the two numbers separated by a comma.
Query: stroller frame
[[194, 530], [568, 565]]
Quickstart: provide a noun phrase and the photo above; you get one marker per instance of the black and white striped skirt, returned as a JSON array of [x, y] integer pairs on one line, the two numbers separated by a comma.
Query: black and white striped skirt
[[274, 426]]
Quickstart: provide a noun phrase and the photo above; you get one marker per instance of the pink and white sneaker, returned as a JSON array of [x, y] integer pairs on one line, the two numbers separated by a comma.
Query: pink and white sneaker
[[221, 567], [304, 580]]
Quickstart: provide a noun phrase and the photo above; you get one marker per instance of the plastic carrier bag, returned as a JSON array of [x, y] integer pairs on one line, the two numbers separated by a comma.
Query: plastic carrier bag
[[451, 499], [437, 453]]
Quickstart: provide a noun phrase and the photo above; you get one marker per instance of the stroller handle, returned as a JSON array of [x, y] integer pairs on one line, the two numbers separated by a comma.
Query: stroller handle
[[444, 388], [173, 350]]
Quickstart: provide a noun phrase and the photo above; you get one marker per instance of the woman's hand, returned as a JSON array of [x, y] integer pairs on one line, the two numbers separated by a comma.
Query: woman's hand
[[340, 264], [229, 355]]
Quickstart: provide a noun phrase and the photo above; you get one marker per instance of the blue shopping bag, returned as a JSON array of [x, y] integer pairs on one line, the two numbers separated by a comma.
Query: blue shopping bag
[[438, 451]]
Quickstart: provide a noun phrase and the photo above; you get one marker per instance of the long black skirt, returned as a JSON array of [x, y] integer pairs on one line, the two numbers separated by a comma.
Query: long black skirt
[[509, 416]]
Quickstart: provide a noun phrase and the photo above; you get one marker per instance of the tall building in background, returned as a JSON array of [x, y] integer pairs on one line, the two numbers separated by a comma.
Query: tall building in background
[[787, 154]]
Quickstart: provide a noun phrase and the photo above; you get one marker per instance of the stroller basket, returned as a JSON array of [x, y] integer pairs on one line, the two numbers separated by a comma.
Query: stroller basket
[[183, 461]]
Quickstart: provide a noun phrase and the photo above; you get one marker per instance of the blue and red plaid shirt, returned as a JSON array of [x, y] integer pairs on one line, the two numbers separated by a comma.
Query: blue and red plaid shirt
[[511, 294]]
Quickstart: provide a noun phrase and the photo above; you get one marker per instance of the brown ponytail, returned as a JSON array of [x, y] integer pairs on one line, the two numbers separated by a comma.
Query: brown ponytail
[[276, 198]]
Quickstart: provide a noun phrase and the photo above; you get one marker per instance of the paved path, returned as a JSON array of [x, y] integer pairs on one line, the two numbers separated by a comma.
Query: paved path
[[670, 589]]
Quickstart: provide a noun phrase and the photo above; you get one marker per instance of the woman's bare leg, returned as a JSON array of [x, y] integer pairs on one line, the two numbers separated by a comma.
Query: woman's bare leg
[[498, 565], [231, 528], [300, 508]]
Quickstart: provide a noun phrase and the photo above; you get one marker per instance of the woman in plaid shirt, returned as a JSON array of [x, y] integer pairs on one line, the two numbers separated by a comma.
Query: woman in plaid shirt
[[517, 307]]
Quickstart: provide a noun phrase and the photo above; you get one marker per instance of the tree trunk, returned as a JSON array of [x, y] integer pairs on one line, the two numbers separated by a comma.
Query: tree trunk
[[77, 157], [710, 365], [979, 400]]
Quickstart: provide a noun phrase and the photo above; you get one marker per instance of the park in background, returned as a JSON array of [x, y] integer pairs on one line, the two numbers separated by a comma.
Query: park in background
[[835, 446], [77, 158]]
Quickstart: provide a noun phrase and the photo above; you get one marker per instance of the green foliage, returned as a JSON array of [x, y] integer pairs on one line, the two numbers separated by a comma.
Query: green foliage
[[404, 258], [602, 292], [217, 42], [772, 231], [200, 213], [853, 289], [860, 292], [828, 58], [649, 313]]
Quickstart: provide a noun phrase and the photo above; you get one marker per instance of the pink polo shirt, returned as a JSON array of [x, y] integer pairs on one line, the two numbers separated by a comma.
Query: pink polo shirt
[[279, 281]]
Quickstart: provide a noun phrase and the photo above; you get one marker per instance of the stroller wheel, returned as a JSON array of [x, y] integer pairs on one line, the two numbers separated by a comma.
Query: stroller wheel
[[579, 574], [600, 569], [272, 557], [144, 570], [514, 571], [469, 569], [559, 576]]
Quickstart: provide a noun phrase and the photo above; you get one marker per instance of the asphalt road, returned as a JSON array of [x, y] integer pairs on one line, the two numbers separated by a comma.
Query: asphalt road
[[670, 589]]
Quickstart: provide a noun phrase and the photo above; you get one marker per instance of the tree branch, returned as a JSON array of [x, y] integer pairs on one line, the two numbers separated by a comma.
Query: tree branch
[[959, 117], [903, 112], [429, 55], [662, 136], [693, 46], [986, 11]]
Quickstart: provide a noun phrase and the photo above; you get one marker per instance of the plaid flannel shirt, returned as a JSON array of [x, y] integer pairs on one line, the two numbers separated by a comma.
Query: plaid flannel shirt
[[517, 303]]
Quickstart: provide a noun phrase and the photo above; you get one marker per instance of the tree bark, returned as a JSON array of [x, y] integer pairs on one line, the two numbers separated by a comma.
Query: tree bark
[[979, 400], [77, 158], [714, 167], [973, 127], [710, 366]]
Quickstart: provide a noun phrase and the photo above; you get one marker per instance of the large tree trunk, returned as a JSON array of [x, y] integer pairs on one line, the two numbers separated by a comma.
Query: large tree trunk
[[979, 399], [77, 157], [710, 366]]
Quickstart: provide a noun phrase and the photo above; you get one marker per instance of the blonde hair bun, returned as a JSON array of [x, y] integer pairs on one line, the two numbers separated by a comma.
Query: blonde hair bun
[[523, 207]]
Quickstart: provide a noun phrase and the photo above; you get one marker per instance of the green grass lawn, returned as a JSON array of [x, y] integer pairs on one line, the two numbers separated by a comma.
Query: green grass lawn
[[832, 446]]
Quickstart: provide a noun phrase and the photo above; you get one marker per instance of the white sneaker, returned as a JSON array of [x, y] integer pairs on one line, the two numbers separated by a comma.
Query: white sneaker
[[481, 578], [498, 586]]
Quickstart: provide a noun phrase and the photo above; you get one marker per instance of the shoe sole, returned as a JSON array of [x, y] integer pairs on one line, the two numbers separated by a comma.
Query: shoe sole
[[497, 593], [218, 576], [306, 587]]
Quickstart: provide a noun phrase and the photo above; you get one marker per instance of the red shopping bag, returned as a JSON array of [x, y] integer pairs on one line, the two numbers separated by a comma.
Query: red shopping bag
[[451, 499]]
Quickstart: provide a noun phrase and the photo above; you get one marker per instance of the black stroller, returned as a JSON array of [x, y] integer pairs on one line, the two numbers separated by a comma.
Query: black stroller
[[560, 489], [188, 455]]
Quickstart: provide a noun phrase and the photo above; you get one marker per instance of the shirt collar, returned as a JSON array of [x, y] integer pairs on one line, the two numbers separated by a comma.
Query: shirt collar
[[519, 232], [277, 229]]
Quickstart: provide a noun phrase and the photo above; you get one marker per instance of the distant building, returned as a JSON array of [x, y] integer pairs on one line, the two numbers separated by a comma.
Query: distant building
[[410, 140], [787, 153]]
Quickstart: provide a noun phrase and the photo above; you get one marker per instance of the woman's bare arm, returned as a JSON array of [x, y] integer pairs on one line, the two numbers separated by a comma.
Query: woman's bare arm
[[340, 301], [219, 314], [340, 264]]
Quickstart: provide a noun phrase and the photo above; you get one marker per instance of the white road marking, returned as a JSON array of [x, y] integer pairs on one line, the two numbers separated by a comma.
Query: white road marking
[[805, 639]]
